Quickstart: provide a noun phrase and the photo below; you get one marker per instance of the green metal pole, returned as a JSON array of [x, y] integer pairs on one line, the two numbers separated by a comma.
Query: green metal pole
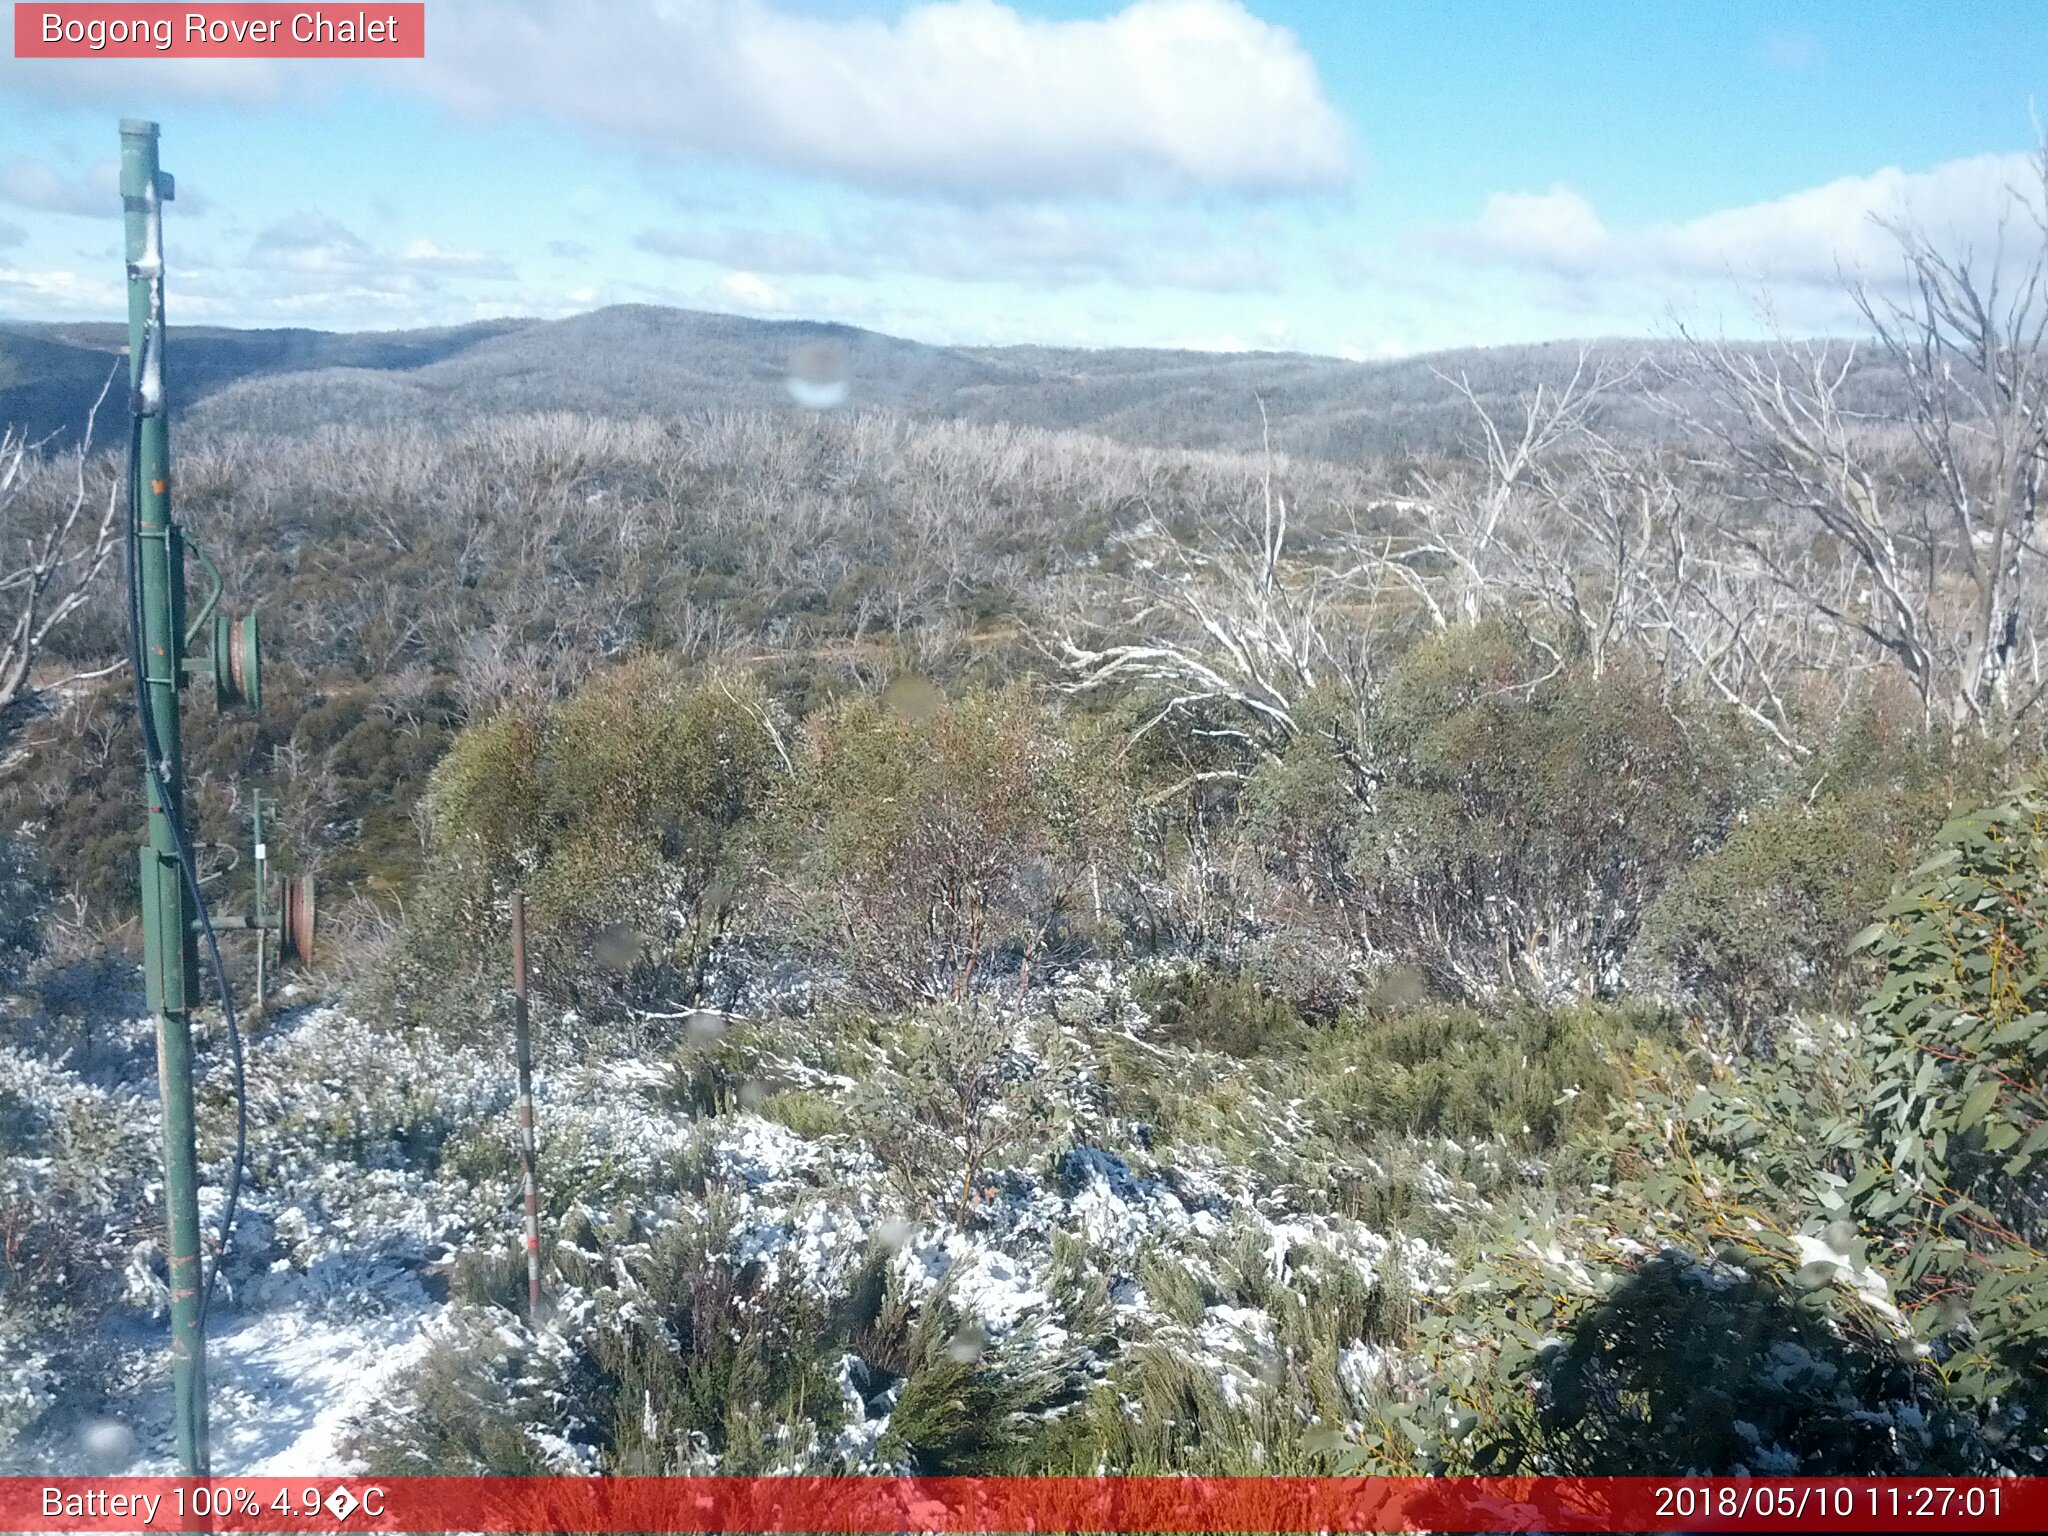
[[170, 954]]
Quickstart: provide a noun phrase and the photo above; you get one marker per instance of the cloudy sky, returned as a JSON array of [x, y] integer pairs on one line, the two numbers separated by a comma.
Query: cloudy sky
[[1334, 176]]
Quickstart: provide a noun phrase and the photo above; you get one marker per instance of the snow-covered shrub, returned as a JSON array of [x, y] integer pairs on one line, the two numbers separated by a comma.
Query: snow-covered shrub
[[490, 1398], [1232, 1014], [75, 1166], [90, 1013], [971, 1406], [28, 1384], [662, 1355], [960, 1102], [337, 1089], [24, 890], [1757, 1281]]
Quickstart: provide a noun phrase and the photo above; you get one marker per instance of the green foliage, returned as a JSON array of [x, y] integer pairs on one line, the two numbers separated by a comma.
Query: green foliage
[[616, 810], [1957, 1134], [972, 1408], [709, 1357], [960, 1101], [340, 760], [1761, 925], [24, 890], [1699, 1368], [806, 1112], [1165, 1406], [1526, 812], [1871, 1195], [673, 1355], [79, 790], [75, 1199], [1302, 809], [473, 1410], [1525, 1079], [1709, 1310], [924, 838], [1231, 1014]]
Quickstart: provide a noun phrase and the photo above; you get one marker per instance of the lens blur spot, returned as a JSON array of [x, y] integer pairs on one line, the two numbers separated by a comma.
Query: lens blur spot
[[108, 1444], [967, 1345], [913, 698], [818, 376]]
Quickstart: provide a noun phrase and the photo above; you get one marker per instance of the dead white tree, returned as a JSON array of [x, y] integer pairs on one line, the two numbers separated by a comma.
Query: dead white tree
[[1234, 632], [57, 555], [1480, 532], [1933, 505], [1596, 550]]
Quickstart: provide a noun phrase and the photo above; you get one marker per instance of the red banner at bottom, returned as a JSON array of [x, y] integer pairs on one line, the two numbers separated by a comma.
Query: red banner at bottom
[[962, 1504]]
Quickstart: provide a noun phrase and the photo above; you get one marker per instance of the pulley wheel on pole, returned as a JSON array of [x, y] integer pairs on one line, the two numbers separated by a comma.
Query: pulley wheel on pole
[[296, 919]]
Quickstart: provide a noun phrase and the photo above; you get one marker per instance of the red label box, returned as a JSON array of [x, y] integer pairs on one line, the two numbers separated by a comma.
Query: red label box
[[102, 30], [956, 1506]]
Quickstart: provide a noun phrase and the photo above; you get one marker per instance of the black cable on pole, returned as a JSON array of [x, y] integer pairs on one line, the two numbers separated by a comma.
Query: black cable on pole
[[153, 762]]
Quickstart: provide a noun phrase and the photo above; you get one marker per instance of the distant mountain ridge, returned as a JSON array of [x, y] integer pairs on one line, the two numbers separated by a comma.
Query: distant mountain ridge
[[645, 359], [50, 374]]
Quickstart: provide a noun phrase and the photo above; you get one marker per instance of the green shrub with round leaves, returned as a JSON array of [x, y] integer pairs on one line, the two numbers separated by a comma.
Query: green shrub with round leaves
[[1955, 1148]]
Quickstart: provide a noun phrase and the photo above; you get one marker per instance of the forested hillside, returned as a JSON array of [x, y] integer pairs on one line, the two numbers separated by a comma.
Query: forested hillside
[[634, 360]]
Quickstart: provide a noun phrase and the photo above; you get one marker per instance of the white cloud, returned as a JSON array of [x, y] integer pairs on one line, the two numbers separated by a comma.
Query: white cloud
[[1037, 244], [148, 86], [1811, 237], [59, 291], [960, 97], [755, 293], [1557, 228], [30, 183], [312, 243], [296, 256], [94, 192], [426, 256]]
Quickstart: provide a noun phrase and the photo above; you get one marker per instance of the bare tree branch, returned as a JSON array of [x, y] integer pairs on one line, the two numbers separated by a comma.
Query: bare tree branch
[[59, 554]]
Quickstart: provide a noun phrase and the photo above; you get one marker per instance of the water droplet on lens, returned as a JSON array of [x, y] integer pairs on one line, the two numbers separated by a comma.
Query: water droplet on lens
[[913, 698], [108, 1444], [967, 1345], [818, 375]]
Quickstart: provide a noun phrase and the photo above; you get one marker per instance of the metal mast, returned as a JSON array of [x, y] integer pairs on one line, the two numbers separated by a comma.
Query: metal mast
[[170, 953]]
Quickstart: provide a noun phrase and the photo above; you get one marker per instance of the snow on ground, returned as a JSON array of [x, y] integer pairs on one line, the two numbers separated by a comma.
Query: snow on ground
[[288, 1381], [286, 1376], [350, 1220]]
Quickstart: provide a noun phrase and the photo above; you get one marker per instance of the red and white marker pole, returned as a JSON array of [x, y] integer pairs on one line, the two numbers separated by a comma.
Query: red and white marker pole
[[522, 1048]]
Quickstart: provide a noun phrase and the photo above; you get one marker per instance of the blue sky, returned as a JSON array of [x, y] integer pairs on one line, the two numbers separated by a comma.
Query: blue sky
[[1349, 178]]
